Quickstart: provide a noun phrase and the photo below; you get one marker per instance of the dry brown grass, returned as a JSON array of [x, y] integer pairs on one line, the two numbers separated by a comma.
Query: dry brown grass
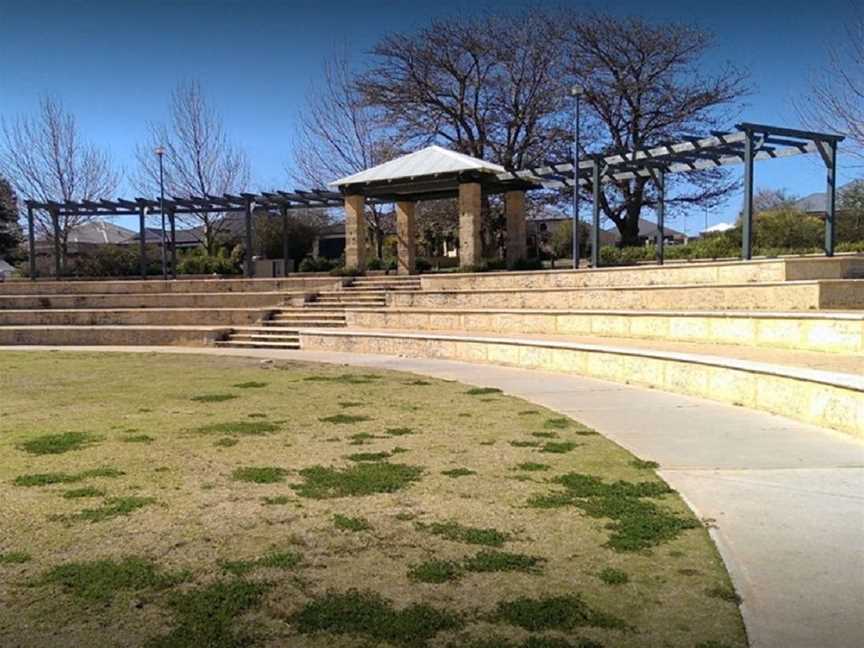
[[201, 518]]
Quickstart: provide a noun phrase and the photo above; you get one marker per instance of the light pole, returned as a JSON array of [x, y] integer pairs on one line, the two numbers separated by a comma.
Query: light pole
[[577, 92], [160, 152]]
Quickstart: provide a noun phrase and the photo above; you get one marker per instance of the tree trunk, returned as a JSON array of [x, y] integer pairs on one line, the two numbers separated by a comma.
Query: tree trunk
[[629, 229]]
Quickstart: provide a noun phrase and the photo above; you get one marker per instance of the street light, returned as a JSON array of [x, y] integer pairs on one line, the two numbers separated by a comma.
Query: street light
[[576, 91], [160, 153]]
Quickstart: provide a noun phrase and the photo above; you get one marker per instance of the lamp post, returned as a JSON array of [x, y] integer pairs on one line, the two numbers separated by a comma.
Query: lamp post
[[160, 153], [576, 91]]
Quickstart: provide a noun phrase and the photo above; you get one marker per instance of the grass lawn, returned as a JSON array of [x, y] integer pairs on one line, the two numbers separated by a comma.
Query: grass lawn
[[160, 500]]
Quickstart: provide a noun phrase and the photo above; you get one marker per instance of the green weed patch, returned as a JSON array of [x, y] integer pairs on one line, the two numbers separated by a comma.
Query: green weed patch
[[347, 523], [636, 524], [99, 580], [468, 535], [362, 479], [458, 472], [241, 428], [554, 613], [45, 479], [58, 443], [344, 419], [213, 398], [367, 613], [259, 474]]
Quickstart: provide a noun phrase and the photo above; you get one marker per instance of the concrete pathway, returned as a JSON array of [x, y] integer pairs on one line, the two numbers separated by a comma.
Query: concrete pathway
[[786, 499]]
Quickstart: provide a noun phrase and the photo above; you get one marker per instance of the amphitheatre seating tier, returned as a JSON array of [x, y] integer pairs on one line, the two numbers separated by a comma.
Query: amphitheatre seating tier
[[769, 270], [148, 300], [822, 389], [827, 332], [806, 295], [132, 316], [80, 287], [111, 335]]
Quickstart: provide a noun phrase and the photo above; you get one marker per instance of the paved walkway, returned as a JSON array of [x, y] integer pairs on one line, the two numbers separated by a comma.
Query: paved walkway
[[786, 498]]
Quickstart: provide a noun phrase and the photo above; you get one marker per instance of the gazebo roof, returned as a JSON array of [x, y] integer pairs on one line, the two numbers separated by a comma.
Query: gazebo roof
[[427, 174], [430, 161]]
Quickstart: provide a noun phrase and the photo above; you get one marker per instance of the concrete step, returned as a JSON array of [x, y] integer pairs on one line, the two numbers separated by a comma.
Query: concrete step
[[302, 323]]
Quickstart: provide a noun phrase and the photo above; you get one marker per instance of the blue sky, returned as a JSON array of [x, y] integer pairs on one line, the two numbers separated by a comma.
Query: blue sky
[[114, 63]]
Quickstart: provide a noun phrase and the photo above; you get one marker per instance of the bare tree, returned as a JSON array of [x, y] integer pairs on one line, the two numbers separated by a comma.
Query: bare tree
[[486, 86], [199, 159], [46, 159], [836, 99], [337, 135], [642, 88]]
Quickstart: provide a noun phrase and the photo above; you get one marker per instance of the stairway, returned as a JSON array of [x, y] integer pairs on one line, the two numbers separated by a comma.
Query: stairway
[[326, 309]]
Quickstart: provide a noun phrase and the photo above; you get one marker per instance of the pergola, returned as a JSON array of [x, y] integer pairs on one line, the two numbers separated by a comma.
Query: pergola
[[749, 143], [434, 173], [246, 203]]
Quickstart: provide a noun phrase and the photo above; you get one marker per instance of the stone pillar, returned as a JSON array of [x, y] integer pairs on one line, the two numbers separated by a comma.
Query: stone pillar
[[517, 234], [470, 205], [406, 236], [355, 232]]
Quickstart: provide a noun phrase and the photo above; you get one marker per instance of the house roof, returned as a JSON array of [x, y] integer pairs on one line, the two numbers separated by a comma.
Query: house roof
[[648, 229], [430, 161], [815, 202], [719, 227], [99, 231]]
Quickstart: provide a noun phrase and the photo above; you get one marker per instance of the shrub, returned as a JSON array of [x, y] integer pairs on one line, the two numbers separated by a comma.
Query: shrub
[[316, 265], [198, 262]]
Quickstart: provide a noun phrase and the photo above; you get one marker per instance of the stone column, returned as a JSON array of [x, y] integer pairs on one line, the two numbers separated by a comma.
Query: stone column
[[355, 232], [406, 236], [517, 234], [470, 204]]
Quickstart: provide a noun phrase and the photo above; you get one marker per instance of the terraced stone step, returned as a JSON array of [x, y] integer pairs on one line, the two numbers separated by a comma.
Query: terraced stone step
[[131, 316], [146, 300], [111, 335], [257, 344], [705, 273], [153, 286], [833, 332], [780, 296], [821, 389]]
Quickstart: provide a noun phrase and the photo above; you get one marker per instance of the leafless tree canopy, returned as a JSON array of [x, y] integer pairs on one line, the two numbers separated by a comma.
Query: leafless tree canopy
[[45, 158], [199, 158], [642, 88], [836, 99], [484, 86], [337, 134]]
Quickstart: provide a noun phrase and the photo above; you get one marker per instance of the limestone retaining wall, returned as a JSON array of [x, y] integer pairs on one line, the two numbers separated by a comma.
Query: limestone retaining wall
[[133, 316], [840, 333], [821, 398]]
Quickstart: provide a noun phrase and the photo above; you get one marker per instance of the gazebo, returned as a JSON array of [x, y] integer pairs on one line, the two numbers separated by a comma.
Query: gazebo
[[433, 173]]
